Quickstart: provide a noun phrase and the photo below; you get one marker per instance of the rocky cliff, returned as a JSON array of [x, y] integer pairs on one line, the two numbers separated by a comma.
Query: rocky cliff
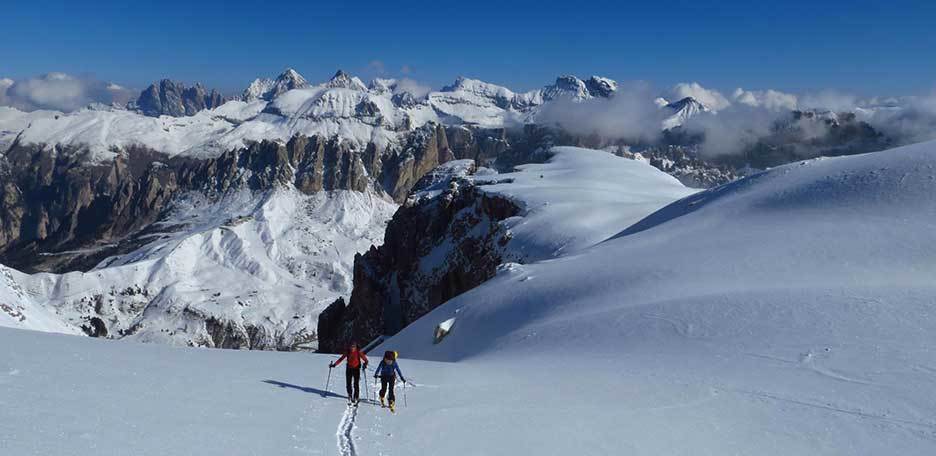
[[444, 241], [61, 212], [170, 98]]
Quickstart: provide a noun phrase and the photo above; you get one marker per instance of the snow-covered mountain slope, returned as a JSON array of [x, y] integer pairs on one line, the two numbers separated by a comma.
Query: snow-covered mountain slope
[[577, 199], [461, 223], [21, 308], [682, 111], [257, 267], [790, 312]]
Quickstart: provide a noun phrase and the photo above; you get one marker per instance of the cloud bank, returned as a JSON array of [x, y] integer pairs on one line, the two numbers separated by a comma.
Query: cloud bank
[[412, 87], [60, 92], [741, 119], [712, 99], [630, 114]]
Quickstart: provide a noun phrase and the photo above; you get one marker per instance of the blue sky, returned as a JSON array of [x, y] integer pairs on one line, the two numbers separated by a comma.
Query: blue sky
[[870, 48]]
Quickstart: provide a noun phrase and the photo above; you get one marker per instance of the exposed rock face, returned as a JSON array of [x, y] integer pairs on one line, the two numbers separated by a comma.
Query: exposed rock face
[[600, 87], [168, 98], [425, 150], [53, 201], [484, 146], [573, 87], [434, 249]]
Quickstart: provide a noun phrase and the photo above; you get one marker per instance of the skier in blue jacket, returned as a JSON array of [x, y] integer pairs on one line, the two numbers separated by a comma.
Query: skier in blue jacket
[[387, 371]]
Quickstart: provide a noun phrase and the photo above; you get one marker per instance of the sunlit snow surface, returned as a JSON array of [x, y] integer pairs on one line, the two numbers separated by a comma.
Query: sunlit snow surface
[[790, 313], [273, 259]]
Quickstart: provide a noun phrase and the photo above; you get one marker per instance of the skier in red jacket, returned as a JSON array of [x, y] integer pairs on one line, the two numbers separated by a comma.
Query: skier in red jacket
[[356, 359]]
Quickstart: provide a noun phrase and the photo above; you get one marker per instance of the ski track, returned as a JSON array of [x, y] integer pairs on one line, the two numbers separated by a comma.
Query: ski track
[[345, 433]]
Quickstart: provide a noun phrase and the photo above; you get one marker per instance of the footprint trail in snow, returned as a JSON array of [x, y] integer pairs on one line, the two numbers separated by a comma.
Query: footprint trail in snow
[[345, 433]]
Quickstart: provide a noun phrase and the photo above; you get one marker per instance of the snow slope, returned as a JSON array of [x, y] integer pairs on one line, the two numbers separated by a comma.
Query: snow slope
[[787, 313], [273, 260], [578, 198]]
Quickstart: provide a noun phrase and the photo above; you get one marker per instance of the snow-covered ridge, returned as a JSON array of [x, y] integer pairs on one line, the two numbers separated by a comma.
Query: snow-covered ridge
[[280, 108]]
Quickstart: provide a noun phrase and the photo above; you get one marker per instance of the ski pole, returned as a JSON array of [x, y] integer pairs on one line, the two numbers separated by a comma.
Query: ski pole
[[404, 394], [327, 381], [366, 387]]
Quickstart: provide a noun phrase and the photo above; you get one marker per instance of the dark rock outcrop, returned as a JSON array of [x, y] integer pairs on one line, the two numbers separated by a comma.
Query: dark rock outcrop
[[434, 249], [174, 99], [426, 148]]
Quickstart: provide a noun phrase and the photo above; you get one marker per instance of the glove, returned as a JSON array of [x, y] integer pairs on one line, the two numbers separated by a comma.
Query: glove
[[403, 379], [331, 365], [365, 366]]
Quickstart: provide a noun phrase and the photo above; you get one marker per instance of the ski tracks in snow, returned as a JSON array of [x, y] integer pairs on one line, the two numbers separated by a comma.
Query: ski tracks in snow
[[355, 424], [345, 433]]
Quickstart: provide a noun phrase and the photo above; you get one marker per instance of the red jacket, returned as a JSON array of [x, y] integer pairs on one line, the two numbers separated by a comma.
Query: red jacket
[[354, 358]]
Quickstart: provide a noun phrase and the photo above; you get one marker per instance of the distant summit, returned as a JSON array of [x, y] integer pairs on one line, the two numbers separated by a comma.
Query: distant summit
[[345, 81], [170, 98], [683, 110], [268, 89]]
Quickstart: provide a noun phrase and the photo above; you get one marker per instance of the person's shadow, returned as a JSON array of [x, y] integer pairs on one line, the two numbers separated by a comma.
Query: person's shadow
[[305, 389]]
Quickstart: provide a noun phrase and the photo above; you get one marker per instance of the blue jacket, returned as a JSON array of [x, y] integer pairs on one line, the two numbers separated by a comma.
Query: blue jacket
[[388, 370]]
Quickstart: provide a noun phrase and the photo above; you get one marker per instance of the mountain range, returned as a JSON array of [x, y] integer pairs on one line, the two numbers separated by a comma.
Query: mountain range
[[191, 219]]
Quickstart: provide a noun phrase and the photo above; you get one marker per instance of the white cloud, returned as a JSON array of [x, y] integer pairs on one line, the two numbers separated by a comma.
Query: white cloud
[[712, 99], [913, 121], [412, 87], [769, 99], [630, 114], [60, 91], [829, 100]]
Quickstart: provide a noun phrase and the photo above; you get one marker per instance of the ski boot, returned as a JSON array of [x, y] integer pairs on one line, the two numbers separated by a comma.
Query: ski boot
[[382, 402], [392, 409]]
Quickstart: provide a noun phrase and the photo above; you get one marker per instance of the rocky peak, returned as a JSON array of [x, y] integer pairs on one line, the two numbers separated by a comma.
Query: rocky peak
[[688, 103], [268, 89], [171, 98], [345, 81], [683, 110], [600, 87], [566, 86]]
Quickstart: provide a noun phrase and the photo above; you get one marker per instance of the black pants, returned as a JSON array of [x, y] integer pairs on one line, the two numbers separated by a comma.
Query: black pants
[[353, 379], [386, 383]]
